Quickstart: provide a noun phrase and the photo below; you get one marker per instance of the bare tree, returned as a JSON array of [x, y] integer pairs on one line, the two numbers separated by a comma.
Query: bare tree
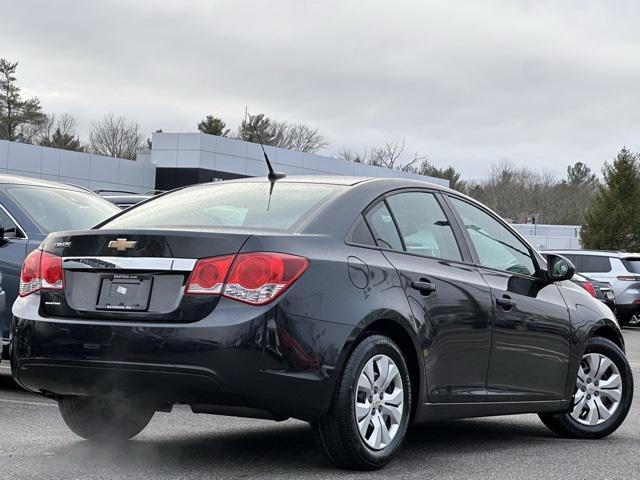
[[302, 138], [59, 131], [388, 155], [115, 137], [298, 136], [352, 156]]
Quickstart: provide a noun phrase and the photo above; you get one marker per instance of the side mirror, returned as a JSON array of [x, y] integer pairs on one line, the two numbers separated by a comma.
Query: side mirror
[[559, 268]]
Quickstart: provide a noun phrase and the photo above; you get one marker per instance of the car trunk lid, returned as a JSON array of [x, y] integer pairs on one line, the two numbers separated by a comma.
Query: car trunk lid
[[134, 275]]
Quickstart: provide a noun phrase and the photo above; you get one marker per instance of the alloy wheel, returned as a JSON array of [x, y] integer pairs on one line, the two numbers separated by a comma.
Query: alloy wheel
[[598, 390], [379, 402]]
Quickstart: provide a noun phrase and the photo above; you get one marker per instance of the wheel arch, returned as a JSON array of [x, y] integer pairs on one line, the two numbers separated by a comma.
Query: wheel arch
[[607, 329], [396, 327]]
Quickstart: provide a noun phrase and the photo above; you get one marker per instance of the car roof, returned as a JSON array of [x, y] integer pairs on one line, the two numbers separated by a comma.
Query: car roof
[[597, 253], [37, 182], [346, 180]]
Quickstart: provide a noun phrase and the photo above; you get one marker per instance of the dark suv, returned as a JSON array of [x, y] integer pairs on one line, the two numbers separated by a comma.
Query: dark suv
[[29, 210]]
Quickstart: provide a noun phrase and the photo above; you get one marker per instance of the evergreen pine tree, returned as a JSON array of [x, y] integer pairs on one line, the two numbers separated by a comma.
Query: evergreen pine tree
[[15, 112], [612, 222], [213, 126]]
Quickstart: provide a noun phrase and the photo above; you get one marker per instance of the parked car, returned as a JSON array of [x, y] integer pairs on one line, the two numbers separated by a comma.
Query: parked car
[[30, 209], [620, 269], [359, 305], [599, 290], [3, 309], [124, 199]]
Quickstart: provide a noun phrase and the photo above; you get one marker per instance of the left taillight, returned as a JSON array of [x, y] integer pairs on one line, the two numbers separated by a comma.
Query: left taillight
[[41, 271], [256, 278]]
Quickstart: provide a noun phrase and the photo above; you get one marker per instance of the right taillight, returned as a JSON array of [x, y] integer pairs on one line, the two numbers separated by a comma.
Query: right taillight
[[628, 278], [589, 288], [256, 278], [41, 270]]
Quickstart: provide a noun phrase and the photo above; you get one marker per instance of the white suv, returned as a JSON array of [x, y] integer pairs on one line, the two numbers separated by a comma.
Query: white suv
[[620, 269]]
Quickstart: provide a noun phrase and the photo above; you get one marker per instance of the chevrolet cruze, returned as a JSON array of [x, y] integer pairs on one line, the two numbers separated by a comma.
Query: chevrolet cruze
[[358, 305]]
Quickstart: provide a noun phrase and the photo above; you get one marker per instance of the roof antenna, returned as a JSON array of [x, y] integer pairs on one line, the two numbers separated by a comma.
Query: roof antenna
[[273, 175]]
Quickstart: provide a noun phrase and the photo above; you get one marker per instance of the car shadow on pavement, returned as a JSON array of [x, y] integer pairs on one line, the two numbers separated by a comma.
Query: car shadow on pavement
[[289, 447], [7, 382]]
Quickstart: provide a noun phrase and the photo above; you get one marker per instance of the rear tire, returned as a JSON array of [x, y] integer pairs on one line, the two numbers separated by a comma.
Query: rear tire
[[367, 420], [595, 412], [104, 420]]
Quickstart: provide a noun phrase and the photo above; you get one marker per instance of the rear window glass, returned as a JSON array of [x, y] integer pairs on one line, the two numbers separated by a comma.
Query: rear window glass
[[361, 234], [54, 209], [631, 264], [243, 205], [595, 264], [384, 229]]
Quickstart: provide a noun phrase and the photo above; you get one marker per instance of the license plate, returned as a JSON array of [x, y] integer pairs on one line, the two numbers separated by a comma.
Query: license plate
[[609, 295], [124, 292]]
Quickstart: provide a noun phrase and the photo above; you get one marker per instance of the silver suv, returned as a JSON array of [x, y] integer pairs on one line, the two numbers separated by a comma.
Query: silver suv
[[620, 269]]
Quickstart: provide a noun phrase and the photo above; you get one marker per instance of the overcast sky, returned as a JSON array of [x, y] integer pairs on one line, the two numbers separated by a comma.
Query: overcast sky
[[543, 84]]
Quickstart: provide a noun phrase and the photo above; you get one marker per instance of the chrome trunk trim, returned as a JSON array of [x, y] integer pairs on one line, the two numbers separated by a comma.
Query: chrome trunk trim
[[128, 263]]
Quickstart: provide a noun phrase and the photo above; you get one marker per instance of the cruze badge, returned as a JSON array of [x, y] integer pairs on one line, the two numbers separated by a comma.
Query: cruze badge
[[122, 244]]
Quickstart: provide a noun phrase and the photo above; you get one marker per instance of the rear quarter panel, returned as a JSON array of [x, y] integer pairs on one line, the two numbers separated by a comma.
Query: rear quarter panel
[[344, 290]]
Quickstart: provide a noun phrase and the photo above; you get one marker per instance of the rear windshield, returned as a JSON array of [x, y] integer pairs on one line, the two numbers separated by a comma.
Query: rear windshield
[[631, 264], [245, 205], [55, 209]]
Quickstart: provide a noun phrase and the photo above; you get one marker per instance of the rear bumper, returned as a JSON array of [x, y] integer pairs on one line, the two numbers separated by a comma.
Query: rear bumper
[[239, 356]]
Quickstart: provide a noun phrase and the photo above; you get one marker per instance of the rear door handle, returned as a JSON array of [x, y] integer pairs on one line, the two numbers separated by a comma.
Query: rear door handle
[[506, 302], [425, 287]]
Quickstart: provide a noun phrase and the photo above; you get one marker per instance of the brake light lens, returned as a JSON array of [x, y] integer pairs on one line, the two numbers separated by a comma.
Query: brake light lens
[[209, 275], [256, 278], [589, 288], [30, 274], [41, 271]]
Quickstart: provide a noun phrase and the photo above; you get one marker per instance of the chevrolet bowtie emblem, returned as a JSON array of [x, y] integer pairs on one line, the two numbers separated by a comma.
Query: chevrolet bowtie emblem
[[122, 244]]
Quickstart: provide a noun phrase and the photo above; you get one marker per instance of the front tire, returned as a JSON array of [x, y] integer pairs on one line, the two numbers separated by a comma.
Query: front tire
[[371, 406], [104, 420], [603, 394]]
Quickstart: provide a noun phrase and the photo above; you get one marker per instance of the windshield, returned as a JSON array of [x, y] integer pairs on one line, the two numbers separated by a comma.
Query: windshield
[[55, 209], [245, 205]]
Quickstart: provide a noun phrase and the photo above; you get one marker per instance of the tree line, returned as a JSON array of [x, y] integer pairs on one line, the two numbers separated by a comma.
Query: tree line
[[608, 209]]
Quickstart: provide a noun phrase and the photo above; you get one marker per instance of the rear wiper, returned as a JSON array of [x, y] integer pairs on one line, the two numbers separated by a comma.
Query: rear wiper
[[273, 175]]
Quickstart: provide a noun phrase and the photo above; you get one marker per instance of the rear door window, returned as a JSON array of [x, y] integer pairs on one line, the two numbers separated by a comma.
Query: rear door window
[[384, 229], [595, 264], [424, 226], [575, 259]]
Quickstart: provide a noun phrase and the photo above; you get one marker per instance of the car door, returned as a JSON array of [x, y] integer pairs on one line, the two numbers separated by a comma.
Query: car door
[[13, 249], [448, 297], [530, 347]]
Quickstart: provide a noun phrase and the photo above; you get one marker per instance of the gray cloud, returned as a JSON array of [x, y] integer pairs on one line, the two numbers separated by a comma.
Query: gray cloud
[[467, 83]]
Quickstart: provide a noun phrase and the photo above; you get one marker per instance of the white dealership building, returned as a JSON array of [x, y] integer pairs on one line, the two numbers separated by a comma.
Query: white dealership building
[[176, 159]]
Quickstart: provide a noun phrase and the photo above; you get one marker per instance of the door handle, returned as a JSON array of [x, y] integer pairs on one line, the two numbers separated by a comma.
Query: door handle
[[425, 287], [506, 302]]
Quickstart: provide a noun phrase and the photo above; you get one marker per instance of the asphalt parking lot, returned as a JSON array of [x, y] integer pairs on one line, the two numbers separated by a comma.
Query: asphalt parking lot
[[34, 443]]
